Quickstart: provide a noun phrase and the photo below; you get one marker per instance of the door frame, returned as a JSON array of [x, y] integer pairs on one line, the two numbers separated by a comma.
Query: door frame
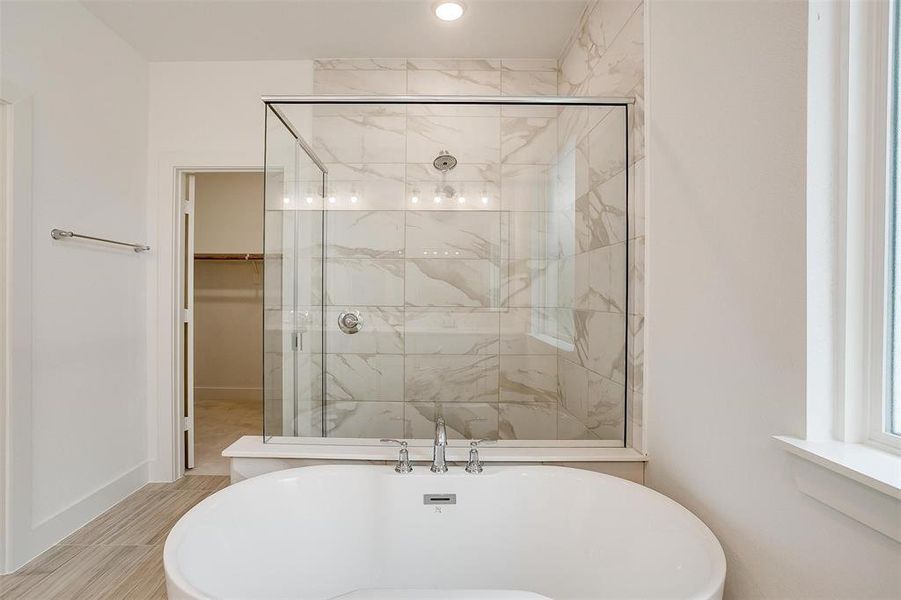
[[6, 170], [176, 409], [20, 537]]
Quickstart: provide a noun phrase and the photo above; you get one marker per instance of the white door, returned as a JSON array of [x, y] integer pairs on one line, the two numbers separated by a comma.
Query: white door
[[188, 318]]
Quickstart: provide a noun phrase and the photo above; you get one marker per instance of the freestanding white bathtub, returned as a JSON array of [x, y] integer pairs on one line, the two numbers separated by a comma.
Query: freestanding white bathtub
[[366, 532]]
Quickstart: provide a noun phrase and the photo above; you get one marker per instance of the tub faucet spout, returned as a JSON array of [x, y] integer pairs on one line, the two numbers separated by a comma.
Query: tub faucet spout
[[439, 464]]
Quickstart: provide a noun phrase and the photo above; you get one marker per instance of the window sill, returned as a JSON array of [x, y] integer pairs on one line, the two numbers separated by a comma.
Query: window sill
[[860, 481]]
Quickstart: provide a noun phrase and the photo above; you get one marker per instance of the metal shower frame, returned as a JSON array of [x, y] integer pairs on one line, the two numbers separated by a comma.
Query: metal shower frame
[[272, 102]]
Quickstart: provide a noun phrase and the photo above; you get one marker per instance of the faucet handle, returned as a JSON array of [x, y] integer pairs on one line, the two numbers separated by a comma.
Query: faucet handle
[[474, 465], [403, 460]]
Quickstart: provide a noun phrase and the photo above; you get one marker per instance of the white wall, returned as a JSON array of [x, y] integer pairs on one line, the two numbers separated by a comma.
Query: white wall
[[726, 299], [203, 115], [77, 316]]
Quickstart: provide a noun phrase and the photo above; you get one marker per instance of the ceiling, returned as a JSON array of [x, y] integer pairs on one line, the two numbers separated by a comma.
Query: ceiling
[[163, 30]]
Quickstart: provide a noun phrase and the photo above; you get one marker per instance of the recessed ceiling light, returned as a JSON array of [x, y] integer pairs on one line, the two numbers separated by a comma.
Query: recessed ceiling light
[[449, 10]]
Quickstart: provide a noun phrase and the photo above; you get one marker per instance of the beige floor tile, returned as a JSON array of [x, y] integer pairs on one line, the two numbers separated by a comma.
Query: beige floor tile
[[146, 582], [20, 583], [219, 423], [92, 573], [118, 555]]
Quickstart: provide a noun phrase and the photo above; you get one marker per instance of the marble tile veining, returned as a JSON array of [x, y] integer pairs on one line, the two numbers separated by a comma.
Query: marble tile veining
[[636, 352], [509, 324], [529, 330], [606, 148], [376, 186], [365, 234], [573, 281], [470, 139], [365, 282], [529, 64], [359, 82], [527, 234], [607, 20], [529, 282], [574, 392], [365, 377], [527, 421], [637, 200], [607, 279], [636, 276], [451, 282], [619, 69], [528, 187], [606, 407], [451, 331], [355, 138], [571, 428], [441, 378], [453, 83], [529, 83], [474, 182], [453, 64], [606, 341], [601, 215], [361, 64], [452, 234], [382, 332], [365, 419], [531, 378], [528, 140], [464, 420]]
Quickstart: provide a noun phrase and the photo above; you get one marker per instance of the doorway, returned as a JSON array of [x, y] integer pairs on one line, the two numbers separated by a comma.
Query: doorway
[[223, 338]]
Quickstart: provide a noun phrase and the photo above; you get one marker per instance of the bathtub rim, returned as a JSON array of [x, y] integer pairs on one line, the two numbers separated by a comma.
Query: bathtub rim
[[713, 587]]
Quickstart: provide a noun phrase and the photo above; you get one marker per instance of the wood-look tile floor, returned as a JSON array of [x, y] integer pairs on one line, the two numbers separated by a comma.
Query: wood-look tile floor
[[118, 555]]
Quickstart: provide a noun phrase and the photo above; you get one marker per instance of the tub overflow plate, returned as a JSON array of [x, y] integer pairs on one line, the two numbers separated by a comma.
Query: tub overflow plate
[[439, 498]]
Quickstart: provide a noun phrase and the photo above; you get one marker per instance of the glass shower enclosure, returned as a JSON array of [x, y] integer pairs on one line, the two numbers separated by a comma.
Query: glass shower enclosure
[[464, 257]]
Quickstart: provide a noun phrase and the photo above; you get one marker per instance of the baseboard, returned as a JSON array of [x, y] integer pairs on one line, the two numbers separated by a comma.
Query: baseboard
[[53, 529], [228, 393]]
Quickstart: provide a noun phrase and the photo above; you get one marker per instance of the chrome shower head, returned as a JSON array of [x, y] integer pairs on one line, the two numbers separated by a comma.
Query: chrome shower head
[[444, 162]]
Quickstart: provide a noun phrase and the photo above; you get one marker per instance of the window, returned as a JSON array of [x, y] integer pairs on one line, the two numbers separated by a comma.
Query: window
[[854, 264], [888, 411], [854, 224]]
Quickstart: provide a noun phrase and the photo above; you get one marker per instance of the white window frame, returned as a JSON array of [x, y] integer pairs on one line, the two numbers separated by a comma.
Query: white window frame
[[843, 457], [861, 417], [880, 409], [848, 153]]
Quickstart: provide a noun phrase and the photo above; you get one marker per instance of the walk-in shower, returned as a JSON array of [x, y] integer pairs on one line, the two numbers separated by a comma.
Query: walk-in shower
[[463, 257]]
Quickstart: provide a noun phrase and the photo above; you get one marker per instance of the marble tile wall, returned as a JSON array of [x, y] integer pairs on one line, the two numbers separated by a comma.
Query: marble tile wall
[[493, 296], [605, 57]]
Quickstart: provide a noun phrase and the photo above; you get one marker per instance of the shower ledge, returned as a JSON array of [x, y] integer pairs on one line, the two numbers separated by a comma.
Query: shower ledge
[[250, 456]]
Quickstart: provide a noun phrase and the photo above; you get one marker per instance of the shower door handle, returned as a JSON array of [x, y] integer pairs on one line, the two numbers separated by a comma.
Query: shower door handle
[[350, 322]]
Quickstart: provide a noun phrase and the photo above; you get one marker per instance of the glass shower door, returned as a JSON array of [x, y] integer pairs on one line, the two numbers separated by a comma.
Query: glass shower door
[[465, 261], [293, 284]]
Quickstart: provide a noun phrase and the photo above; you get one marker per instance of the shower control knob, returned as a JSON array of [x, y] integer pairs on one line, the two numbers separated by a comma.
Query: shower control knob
[[350, 322]]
